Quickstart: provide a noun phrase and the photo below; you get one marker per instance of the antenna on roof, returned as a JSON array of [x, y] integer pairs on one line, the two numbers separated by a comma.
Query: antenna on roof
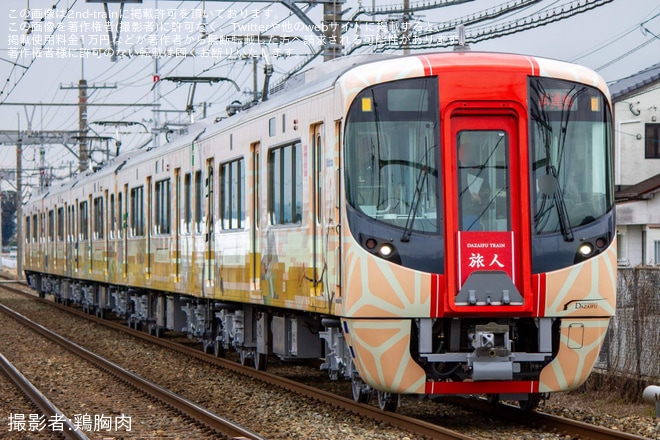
[[461, 46]]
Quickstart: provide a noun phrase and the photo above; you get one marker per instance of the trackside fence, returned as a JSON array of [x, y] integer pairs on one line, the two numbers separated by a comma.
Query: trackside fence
[[630, 357]]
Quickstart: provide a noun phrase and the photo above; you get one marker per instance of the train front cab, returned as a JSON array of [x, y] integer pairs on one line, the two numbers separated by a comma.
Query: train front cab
[[480, 254]]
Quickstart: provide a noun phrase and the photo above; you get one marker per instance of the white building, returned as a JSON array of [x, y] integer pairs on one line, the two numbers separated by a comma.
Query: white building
[[636, 102]]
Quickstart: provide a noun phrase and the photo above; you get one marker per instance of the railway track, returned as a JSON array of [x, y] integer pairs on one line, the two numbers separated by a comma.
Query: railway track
[[550, 422], [402, 422], [168, 401], [49, 411]]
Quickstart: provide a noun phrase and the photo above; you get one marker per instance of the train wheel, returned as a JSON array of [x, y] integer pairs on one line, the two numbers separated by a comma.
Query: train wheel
[[532, 402], [260, 361], [361, 391], [388, 401], [246, 356], [218, 348]]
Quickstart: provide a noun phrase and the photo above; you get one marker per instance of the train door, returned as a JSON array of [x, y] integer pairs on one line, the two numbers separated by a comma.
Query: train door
[[209, 251], [317, 206], [149, 221], [255, 261], [484, 250], [177, 225]]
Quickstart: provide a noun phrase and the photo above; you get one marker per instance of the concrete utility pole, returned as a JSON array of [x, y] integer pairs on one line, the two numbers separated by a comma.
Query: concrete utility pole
[[332, 31], [83, 155], [83, 87], [19, 207]]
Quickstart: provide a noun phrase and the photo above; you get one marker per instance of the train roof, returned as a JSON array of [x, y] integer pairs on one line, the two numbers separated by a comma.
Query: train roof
[[314, 80]]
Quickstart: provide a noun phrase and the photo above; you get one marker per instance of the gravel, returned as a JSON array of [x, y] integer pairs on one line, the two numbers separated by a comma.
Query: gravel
[[278, 415]]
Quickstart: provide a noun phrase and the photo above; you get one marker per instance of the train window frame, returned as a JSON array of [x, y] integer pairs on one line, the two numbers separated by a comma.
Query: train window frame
[[35, 228], [51, 225], [83, 220], [98, 220], [70, 223], [381, 176], [136, 215], [232, 202], [282, 191], [60, 223], [187, 214], [163, 215], [564, 194], [113, 217], [198, 204], [121, 224]]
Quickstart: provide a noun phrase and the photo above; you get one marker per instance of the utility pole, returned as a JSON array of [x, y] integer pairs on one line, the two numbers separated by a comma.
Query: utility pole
[[83, 87], [332, 30], [83, 155], [19, 207]]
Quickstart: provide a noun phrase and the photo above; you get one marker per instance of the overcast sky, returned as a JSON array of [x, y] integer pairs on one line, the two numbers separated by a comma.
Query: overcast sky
[[617, 39]]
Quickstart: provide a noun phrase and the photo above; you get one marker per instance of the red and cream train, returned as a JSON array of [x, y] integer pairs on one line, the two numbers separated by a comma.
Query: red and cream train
[[440, 223]]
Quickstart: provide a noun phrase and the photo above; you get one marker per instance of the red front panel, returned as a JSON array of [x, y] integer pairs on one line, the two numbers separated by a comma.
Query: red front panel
[[487, 211]]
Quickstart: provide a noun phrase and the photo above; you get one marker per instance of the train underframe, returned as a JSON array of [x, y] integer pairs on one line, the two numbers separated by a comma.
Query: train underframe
[[449, 350]]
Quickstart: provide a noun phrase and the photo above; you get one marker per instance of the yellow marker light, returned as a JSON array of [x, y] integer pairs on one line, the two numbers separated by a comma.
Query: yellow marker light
[[366, 105], [595, 104]]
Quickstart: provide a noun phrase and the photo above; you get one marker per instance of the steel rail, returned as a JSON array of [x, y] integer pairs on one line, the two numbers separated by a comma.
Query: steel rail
[[419, 427], [187, 407], [47, 408], [560, 424]]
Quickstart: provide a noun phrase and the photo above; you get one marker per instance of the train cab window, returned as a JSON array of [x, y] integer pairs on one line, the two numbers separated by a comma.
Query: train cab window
[[483, 180], [99, 224], [570, 153], [163, 201], [136, 215], [232, 193], [285, 184], [392, 154]]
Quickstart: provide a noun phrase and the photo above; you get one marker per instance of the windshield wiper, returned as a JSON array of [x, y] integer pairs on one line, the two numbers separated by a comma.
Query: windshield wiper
[[414, 204]]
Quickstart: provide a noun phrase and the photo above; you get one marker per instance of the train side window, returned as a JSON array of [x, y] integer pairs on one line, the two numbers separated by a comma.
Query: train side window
[[232, 191], [163, 200], [27, 229], [51, 225], [137, 212], [120, 216], [42, 227], [70, 224], [113, 218], [84, 221], [199, 201], [285, 184], [35, 228], [60, 224], [98, 218], [187, 203]]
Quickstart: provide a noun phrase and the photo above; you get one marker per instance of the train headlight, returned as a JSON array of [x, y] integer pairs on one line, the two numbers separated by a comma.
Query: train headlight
[[585, 249], [386, 250]]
